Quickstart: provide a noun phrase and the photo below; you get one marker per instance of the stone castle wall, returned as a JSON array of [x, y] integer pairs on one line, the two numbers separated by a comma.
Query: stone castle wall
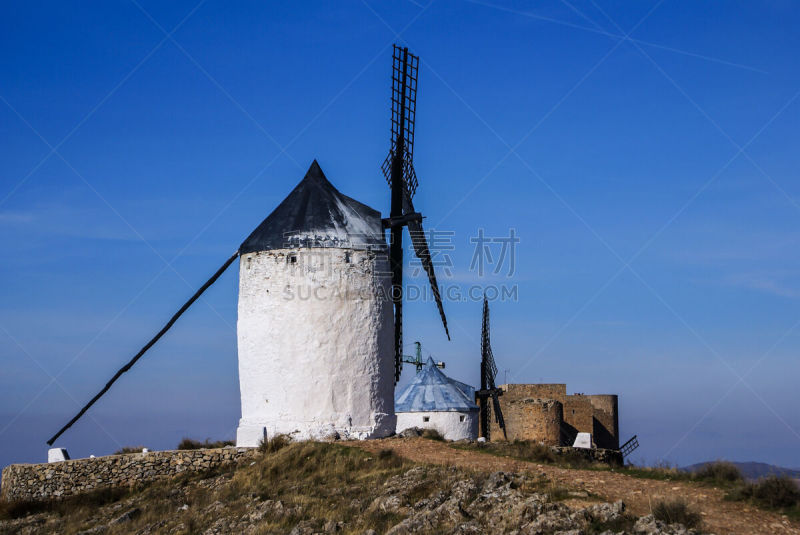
[[578, 418], [68, 478], [530, 419], [545, 413], [531, 412], [556, 391], [606, 420]]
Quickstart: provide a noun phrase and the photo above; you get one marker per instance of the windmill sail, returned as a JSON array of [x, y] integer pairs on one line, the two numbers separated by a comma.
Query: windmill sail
[[498, 413], [488, 375], [423, 253], [398, 168]]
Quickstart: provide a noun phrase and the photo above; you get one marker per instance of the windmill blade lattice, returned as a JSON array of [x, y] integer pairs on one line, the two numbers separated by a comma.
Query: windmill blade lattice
[[420, 245], [498, 413], [490, 368], [405, 73], [398, 168], [488, 375]]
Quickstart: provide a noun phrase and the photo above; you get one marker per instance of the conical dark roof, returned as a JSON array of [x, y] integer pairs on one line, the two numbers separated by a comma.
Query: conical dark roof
[[316, 214], [431, 390]]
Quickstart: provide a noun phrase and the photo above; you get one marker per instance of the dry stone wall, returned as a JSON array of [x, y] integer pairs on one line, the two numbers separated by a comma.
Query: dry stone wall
[[68, 478]]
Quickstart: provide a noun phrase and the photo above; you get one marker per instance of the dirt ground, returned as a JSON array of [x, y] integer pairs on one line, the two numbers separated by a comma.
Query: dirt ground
[[720, 517]]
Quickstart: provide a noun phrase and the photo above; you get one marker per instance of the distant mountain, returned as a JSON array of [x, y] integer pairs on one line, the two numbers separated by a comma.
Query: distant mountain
[[754, 470]]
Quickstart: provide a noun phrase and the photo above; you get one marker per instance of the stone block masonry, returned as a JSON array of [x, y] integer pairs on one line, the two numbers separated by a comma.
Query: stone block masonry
[[606, 420], [545, 413], [534, 419], [578, 418], [556, 391], [32, 482]]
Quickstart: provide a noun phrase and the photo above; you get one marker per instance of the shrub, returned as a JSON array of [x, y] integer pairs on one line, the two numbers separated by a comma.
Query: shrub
[[129, 449], [273, 444], [676, 512], [774, 492], [621, 524], [191, 444], [387, 457], [720, 472], [432, 434], [386, 454]]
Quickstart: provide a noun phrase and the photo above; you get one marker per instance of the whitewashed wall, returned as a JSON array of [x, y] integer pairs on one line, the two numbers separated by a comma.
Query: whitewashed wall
[[448, 423], [315, 344]]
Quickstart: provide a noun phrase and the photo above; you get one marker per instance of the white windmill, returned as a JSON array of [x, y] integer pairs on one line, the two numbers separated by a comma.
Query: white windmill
[[320, 300], [315, 320]]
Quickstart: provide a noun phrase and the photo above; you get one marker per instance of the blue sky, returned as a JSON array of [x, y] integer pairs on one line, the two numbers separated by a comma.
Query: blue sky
[[652, 181]]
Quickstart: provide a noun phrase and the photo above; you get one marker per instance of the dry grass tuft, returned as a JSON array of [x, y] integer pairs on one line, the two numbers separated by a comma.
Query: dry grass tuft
[[432, 434], [677, 512], [387, 457], [129, 449], [660, 472], [274, 444], [191, 444], [530, 451], [773, 492], [719, 472], [623, 524], [527, 450], [329, 481], [17, 509]]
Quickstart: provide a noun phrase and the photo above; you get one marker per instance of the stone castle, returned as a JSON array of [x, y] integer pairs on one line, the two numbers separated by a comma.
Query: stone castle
[[545, 413]]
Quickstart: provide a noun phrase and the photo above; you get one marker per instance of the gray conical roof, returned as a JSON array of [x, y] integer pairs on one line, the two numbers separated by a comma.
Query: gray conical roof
[[316, 214], [431, 390]]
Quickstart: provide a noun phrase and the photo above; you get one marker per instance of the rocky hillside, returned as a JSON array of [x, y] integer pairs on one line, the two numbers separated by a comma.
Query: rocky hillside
[[308, 488]]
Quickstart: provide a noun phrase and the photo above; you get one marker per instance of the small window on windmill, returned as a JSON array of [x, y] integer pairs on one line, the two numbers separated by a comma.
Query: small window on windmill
[[347, 257], [461, 418], [292, 259], [426, 418]]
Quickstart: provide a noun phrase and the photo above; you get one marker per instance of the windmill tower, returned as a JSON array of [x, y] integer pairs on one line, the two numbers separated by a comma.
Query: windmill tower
[[311, 368], [315, 325], [319, 346]]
